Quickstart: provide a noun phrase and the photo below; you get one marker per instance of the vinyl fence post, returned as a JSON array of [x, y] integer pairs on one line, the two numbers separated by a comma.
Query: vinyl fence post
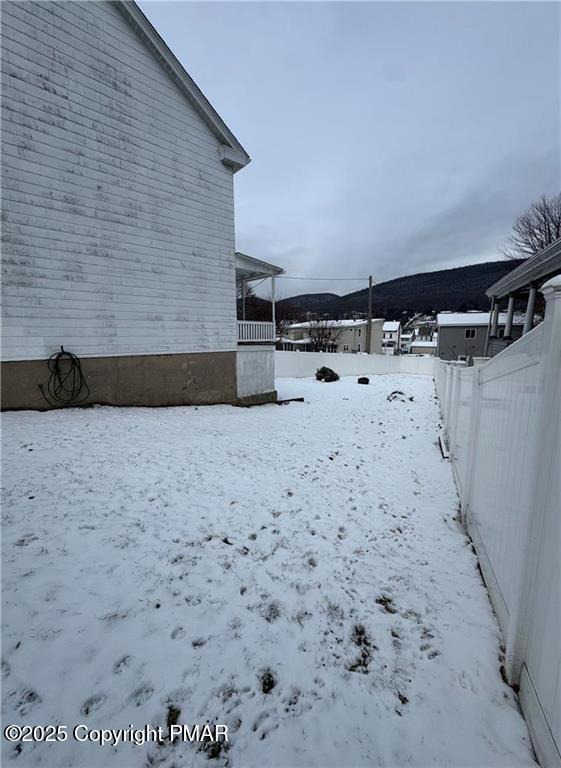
[[472, 444]]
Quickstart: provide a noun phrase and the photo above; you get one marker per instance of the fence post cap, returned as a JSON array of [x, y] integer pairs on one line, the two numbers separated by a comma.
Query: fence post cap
[[553, 286]]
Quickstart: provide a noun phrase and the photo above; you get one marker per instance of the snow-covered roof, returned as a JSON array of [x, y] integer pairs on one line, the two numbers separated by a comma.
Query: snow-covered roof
[[306, 340], [424, 344], [336, 323], [473, 318], [391, 325]]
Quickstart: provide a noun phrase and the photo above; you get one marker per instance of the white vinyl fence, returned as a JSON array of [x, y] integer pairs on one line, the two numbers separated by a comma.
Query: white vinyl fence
[[303, 364], [502, 423]]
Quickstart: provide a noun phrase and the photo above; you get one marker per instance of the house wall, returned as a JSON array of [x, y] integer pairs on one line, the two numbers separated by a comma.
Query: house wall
[[416, 349], [452, 342], [348, 337], [351, 338], [376, 344], [118, 215]]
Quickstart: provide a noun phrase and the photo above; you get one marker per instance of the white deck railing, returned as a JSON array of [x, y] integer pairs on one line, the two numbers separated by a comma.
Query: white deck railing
[[502, 422], [252, 331]]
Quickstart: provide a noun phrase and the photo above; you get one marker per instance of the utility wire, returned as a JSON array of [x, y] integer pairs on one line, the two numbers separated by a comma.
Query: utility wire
[[332, 279]]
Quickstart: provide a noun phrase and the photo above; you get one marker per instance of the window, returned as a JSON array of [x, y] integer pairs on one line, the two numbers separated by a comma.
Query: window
[[359, 331], [359, 347], [501, 333], [470, 333], [346, 348]]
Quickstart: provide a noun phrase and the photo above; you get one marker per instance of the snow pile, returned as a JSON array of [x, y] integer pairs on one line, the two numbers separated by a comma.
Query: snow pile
[[294, 572]]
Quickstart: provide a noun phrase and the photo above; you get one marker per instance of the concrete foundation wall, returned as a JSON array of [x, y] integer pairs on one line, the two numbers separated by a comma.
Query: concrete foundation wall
[[144, 380]]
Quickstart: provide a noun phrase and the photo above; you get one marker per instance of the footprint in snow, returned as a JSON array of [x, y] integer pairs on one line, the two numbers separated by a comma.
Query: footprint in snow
[[6, 669], [94, 702], [141, 694], [26, 700], [271, 612], [121, 664]]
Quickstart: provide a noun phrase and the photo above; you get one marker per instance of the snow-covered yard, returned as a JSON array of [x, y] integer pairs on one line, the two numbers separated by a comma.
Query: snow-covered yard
[[295, 572]]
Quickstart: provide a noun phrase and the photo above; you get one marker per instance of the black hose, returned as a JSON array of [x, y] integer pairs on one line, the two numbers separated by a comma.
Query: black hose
[[67, 385]]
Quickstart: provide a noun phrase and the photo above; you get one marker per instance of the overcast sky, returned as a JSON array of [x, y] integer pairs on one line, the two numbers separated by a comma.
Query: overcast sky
[[386, 138]]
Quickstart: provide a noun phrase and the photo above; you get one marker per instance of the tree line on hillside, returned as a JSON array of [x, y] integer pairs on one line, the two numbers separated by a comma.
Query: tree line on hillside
[[458, 290]]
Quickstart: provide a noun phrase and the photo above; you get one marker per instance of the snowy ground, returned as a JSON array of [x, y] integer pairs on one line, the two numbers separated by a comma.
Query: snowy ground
[[189, 558]]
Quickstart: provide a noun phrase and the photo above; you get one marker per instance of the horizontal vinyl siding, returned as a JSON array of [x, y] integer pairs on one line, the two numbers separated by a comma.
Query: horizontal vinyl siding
[[118, 216]]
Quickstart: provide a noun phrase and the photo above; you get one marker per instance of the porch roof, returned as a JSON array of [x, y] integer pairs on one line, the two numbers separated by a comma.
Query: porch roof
[[534, 270], [250, 268]]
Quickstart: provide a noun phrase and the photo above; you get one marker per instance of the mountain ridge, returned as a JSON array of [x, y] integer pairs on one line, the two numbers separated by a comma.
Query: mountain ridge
[[455, 289]]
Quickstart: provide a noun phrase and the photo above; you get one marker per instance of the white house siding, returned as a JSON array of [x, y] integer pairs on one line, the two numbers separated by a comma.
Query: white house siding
[[118, 217]]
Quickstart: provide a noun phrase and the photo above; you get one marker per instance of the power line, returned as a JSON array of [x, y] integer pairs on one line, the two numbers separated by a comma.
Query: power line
[[337, 279]]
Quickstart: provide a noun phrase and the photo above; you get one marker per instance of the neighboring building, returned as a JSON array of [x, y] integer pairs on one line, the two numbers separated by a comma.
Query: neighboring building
[[423, 347], [348, 336], [522, 282], [391, 337], [462, 335], [424, 331], [406, 340], [118, 216]]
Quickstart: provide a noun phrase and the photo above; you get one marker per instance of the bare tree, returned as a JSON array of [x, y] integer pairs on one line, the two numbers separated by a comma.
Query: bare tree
[[323, 335], [535, 229]]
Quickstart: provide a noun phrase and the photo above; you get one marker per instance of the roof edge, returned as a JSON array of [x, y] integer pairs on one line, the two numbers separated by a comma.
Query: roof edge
[[143, 27], [257, 264], [537, 267]]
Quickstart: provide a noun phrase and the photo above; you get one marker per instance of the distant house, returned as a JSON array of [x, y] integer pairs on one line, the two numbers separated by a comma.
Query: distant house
[[118, 217], [348, 336], [463, 335], [424, 331], [391, 337], [423, 347], [406, 340]]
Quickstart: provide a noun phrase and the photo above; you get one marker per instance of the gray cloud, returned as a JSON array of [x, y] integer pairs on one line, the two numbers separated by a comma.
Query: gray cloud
[[386, 137]]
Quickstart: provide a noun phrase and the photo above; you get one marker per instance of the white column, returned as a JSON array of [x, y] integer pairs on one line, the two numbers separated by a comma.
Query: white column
[[529, 320], [273, 307], [495, 320], [493, 302], [509, 316]]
